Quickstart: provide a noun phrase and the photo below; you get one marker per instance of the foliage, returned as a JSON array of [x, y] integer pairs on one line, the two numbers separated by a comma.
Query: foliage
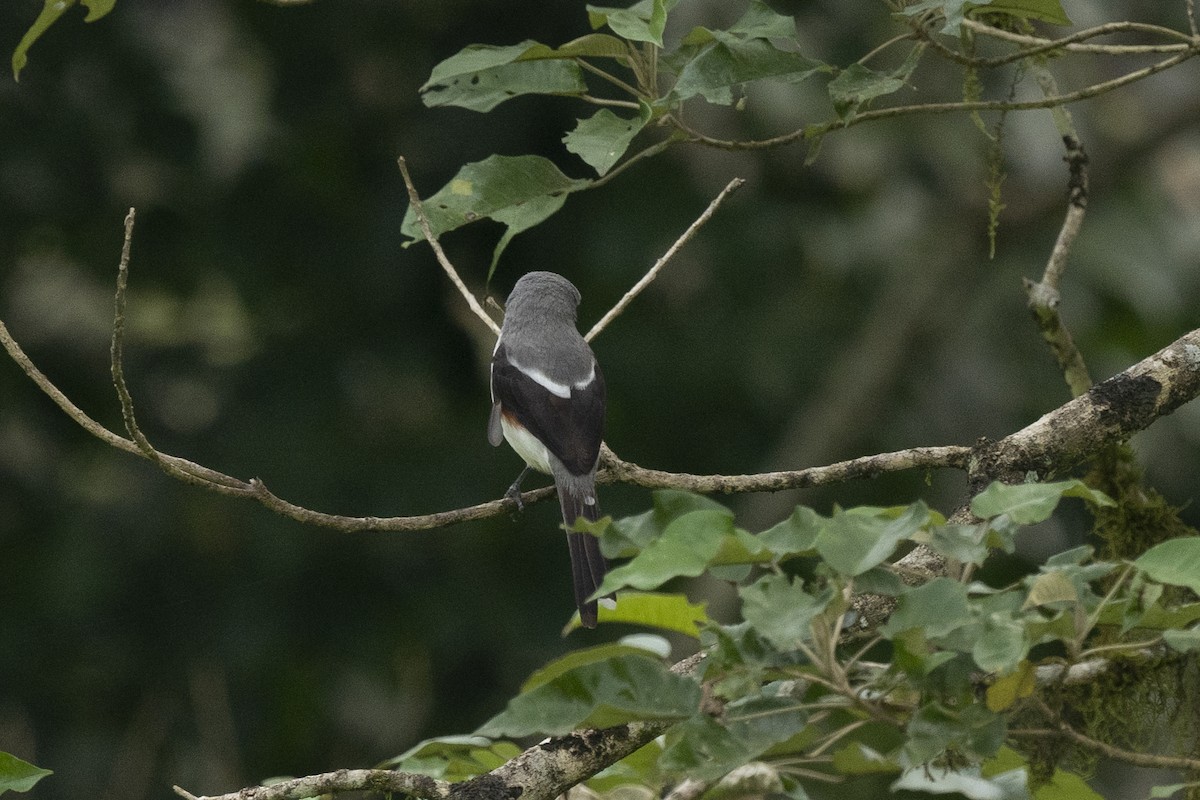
[[923, 705], [650, 83], [17, 775]]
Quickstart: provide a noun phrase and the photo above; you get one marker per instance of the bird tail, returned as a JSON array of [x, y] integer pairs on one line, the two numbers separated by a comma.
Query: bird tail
[[577, 496]]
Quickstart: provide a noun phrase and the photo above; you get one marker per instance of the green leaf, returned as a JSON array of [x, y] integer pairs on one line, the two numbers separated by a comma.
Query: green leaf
[[603, 138], [795, 535], [1168, 790], [973, 731], [481, 77], [1001, 644], [598, 695], [1061, 786], [453, 758], [668, 612], [578, 658], [1029, 503], [969, 544], [937, 607], [1049, 588], [955, 11], [17, 775], [625, 537], [857, 758], [594, 45], [1175, 562], [1182, 641], [641, 22], [706, 749], [51, 11], [686, 548], [853, 543], [517, 191], [966, 782], [856, 86], [730, 61], [779, 608]]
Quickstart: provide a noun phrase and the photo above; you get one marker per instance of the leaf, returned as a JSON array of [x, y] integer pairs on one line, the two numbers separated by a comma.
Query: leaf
[[1001, 643], [1168, 790], [1182, 641], [517, 191], [779, 608], [795, 535], [603, 138], [1061, 785], [856, 86], [955, 10], [853, 543], [51, 11], [1175, 562], [1029, 503], [668, 612], [686, 548], [857, 758], [937, 607], [641, 22], [578, 658], [973, 731], [1012, 687], [966, 782], [1049, 588], [453, 758], [730, 61], [598, 695], [481, 76], [17, 775], [625, 537]]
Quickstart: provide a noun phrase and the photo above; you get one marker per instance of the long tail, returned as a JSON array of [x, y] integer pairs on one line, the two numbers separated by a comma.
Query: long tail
[[577, 496]]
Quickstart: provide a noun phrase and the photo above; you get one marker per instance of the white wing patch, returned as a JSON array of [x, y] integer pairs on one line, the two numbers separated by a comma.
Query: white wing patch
[[542, 379]]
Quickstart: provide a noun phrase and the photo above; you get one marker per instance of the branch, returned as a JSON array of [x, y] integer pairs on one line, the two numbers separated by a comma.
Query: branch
[[820, 129], [686, 237], [1044, 297], [344, 780], [423, 221]]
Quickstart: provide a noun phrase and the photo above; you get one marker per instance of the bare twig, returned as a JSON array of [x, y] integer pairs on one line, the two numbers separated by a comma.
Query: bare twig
[[423, 221], [686, 237], [1044, 296]]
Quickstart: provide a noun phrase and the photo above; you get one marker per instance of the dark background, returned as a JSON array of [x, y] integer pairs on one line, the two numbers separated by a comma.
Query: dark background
[[153, 633]]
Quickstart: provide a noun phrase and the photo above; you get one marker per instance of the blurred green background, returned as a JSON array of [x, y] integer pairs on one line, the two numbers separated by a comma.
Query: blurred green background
[[153, 633]]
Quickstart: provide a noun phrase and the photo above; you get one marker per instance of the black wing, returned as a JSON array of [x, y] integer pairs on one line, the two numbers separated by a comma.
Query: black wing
[[570, 427]]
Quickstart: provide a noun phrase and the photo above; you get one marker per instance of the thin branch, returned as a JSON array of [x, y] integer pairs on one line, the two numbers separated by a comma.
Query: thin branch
[[615, 470], [819, 129], [344, 780], [1108, 750], [686, 237], [603, 101], [419, 209], [613, 79], [1044, 296]]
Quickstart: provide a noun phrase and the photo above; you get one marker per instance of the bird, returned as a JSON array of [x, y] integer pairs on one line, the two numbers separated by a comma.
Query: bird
[[548, 402]]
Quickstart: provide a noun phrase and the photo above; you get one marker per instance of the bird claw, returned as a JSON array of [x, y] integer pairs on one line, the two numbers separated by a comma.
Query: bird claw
[[514, 491]]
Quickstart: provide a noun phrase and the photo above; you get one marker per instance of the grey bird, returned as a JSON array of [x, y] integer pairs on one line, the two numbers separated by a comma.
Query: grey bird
[[548, 402]]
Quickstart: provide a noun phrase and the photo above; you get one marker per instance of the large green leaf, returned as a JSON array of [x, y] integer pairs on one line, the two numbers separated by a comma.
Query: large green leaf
[[17, 775], [781, 610], [641, 22], [517, 191], [853, 543], [51, 11], [795, 535], [1175, 562], [937, 607], [705, 749], [730, 61], [668, 612], [603, 138], [687, 546], [481, 77], [598, 695], [1029, 503], [965, 782]]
